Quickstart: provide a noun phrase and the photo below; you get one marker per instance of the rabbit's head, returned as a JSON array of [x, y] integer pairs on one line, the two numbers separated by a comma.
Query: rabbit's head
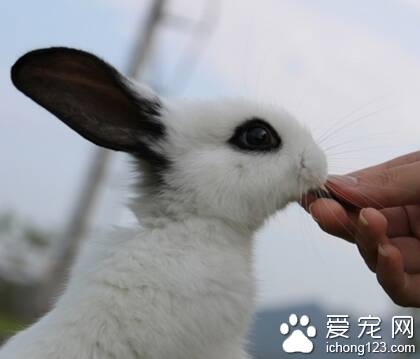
[[231, 159]]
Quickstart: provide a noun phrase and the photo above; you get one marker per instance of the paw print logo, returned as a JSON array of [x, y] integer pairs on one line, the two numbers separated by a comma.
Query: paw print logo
[[298, 340]]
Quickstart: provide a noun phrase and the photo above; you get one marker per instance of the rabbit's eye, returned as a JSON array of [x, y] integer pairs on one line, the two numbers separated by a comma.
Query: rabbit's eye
[[255, 135]]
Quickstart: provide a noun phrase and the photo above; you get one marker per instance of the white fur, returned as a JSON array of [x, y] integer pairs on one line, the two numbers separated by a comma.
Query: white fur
[[181, 286]]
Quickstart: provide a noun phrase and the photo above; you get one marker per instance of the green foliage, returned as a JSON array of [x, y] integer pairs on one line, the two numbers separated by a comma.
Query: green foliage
[[9, 326], [36, 236]]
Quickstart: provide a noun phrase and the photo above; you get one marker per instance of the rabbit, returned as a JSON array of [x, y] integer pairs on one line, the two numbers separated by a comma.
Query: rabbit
[[181, 285]]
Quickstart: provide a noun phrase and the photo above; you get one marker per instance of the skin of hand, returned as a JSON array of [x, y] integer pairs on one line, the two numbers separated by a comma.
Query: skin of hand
[[378, 209]]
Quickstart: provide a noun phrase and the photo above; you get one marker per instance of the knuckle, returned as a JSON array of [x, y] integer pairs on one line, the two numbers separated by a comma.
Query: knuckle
[[369, 258], [393, 290], [387, 178], [371, 265], [400, 298], [406, 159], [413, 157], [383, 284], [401, 301]]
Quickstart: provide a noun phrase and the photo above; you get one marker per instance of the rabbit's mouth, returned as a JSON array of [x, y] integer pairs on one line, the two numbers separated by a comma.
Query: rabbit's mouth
[[333, 190]]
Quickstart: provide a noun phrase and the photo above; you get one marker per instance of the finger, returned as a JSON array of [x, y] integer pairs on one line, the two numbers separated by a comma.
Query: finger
[[401, 287], [390, 271], [373, 170], [396, 162], [398, 222], [371, 231], [413, 215], [404, 221], [392, 187], [333, 218], [336, 187], [307, 199], [410, 251]]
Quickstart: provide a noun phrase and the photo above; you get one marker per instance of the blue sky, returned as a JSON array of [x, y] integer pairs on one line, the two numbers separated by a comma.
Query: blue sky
[[321, 60]]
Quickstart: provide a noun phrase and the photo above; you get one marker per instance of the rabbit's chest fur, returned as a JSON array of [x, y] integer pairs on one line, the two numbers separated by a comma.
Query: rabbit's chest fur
[[185, 290]]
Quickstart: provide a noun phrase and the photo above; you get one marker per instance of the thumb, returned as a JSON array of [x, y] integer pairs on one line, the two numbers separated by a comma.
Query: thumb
[[390, 187]]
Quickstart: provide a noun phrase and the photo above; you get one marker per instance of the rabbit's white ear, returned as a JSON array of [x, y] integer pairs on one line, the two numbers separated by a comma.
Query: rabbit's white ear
[[91, 97]]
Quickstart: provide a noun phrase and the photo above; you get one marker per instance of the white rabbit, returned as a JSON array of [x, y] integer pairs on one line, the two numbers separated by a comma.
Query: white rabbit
[[181, 286]]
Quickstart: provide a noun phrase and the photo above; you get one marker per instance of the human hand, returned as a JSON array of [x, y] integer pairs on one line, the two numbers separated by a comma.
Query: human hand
[[378, 208]]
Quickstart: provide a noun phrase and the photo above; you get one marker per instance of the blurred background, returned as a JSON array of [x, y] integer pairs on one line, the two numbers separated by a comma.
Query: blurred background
[[349, 70]]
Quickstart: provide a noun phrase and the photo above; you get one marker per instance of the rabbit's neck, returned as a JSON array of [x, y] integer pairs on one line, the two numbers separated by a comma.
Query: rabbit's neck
[[155, 209]]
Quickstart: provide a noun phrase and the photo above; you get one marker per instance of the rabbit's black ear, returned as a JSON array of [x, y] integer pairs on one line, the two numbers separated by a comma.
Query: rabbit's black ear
[[91, 97]]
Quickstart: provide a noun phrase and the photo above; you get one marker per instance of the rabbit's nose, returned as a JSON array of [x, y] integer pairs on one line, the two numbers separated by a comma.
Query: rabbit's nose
[[313, 167]]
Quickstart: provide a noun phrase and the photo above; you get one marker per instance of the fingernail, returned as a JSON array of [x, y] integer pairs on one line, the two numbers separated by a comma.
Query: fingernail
[[362, 218], [382, 250], [310, 211]]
